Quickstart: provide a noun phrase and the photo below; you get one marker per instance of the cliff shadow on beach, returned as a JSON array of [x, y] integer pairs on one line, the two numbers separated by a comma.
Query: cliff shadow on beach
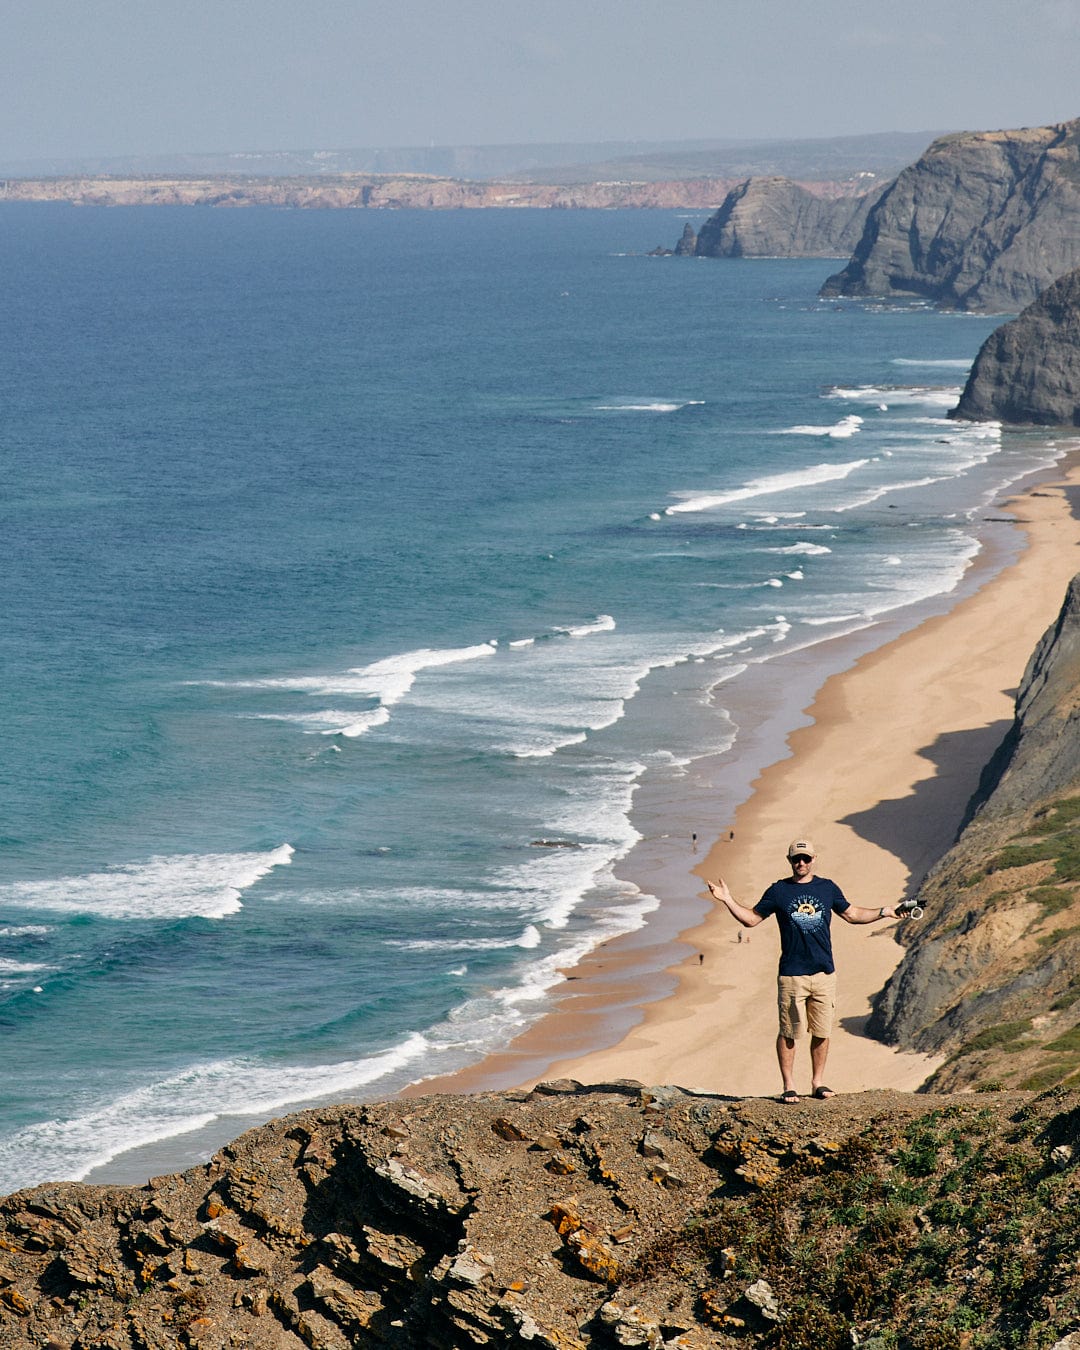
[[919, 827]]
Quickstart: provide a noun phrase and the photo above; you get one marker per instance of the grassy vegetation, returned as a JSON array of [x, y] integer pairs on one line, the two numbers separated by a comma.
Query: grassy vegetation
[[961, 1231], [1067, 997], [1054, 937], [1057, 816], [999, 1037], [1053, 899], [1057, 831], [1068, 1042]]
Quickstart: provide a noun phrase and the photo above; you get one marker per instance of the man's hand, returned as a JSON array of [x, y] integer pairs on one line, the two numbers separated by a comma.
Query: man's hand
[[908, 909], [718, 889]]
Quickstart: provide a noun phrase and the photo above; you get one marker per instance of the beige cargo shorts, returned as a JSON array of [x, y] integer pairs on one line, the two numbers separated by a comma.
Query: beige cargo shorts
[[806, 1001]]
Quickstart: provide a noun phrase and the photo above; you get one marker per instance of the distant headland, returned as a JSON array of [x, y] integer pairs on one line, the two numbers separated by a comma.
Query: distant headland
[[696, 175]]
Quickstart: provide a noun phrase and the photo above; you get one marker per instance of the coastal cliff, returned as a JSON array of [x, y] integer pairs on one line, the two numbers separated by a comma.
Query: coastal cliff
[[990, 976], [1028, 370], [363, 191], [982, 221], [778, 218], [570, 1218]]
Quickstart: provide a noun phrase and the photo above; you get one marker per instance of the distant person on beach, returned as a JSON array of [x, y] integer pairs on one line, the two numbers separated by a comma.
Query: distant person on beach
[[806, 983]]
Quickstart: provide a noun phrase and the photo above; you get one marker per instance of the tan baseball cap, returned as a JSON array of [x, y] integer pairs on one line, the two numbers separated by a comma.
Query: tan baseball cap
[[801, 846]]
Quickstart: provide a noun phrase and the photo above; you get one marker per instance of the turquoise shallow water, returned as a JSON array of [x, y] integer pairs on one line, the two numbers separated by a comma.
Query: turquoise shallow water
[[353, 559]]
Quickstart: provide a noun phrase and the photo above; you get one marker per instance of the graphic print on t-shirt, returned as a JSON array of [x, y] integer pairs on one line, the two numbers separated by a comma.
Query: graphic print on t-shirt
[[807, 914]]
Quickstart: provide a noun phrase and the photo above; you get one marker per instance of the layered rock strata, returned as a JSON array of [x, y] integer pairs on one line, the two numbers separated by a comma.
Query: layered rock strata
[[982, 221], [1028, 370]]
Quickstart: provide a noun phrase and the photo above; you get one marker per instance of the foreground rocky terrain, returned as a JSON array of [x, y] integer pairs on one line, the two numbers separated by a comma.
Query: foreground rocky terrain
[[982, 221], [572, 1217]]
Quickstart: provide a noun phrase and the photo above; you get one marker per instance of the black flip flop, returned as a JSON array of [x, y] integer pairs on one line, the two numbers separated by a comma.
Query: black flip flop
[[823, 1093]]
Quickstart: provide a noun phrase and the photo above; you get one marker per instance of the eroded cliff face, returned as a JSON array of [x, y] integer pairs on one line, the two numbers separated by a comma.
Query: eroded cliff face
[[778, 218], [1027, 371], [992, 973], [570, 1218], [982, 221]]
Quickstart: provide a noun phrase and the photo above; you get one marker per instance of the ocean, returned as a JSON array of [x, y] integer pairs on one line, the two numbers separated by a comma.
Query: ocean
[[366, 576]]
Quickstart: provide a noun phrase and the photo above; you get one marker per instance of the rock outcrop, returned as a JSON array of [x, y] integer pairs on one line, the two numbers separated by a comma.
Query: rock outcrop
[[1028, 370], [992, 973], [687, 245], [982, 221], [778, 218], [570, 1218]]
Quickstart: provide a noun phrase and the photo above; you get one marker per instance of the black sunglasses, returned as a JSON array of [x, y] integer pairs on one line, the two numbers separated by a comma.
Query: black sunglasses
[[801, 857]]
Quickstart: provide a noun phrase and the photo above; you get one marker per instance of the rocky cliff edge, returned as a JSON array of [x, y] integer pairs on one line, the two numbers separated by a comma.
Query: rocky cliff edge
[[568, 1218]]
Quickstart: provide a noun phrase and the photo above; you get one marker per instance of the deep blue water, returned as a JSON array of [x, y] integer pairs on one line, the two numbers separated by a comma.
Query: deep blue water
[[349, 556]]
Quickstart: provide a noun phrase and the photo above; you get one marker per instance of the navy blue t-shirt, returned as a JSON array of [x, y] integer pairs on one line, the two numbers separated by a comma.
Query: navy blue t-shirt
[[804, 911]]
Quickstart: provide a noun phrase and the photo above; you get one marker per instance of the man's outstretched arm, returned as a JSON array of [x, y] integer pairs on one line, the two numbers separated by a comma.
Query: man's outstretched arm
[[719, 891], [857, 914]]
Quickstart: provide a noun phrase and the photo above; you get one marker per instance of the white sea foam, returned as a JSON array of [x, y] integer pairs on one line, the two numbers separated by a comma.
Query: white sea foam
[[801, 548], [528, 937], [533, 702], [889, 490], [178, 1104], [20, 967], [545, 748], [603, 623], [331, 722], [26, 930], [962, 364], [650, 406], [388, 680], [838, 431], [763, 487], [209, 885], [491, 1020], [938, 396]]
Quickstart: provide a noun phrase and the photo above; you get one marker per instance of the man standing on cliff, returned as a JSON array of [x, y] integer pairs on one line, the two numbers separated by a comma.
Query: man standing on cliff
[[806, 984]]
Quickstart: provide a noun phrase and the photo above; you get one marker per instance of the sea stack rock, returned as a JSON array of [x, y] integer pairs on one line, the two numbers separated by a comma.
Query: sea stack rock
[[687, 245], [982, 222], [1028, 370], [779, 218]]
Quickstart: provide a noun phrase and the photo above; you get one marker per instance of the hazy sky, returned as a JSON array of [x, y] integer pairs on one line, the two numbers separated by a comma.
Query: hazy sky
[[116, 77]]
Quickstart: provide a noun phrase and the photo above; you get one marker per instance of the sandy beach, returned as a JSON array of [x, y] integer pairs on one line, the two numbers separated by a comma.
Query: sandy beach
[[879, 780]]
